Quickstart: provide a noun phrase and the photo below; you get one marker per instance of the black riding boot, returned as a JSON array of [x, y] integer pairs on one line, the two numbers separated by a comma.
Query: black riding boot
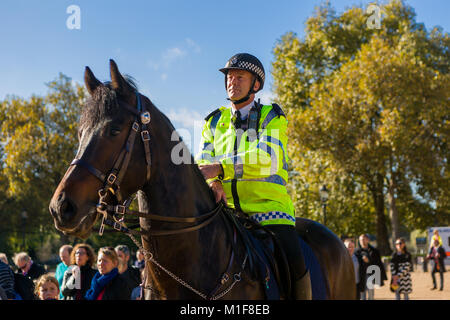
[[300, 280]]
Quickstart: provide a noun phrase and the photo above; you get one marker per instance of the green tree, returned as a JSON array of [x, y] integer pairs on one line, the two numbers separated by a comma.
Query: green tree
[[372, 103], [38, 140]]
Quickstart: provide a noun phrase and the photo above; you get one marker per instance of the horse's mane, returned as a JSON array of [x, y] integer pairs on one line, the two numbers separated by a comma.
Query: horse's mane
[[102, 104]]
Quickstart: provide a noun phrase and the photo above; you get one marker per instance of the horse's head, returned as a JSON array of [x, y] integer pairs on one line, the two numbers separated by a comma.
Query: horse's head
[[104, 132]]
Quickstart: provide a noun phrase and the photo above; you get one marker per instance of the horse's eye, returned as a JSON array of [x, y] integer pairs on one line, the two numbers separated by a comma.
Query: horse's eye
[[115, 131]]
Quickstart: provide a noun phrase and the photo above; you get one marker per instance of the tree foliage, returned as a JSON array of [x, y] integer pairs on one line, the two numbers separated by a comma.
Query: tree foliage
[[38, 140], [368, 109]]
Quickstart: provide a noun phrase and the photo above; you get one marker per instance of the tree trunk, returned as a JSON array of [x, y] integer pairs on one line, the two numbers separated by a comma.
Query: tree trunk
[[382, 232], [393, 213]]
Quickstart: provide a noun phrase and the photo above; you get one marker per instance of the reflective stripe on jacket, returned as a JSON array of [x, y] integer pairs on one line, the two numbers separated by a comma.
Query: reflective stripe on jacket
[[255, 167]]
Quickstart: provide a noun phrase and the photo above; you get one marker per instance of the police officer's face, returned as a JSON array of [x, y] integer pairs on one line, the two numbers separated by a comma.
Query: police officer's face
[[238, 83]]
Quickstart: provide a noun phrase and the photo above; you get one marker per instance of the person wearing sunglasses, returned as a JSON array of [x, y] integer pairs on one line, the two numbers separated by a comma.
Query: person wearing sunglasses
[[77, 278], [401, 267]]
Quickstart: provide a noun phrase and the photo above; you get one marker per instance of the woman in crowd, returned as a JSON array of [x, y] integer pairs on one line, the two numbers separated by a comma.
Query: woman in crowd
[[77, 278], [401, 266], [107, 283]]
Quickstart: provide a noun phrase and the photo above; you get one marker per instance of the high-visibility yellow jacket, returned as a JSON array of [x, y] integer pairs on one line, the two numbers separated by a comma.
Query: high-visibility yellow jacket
[[255, 167]]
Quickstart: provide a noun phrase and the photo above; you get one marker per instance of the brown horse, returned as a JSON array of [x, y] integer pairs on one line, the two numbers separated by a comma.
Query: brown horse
[[191, 250]]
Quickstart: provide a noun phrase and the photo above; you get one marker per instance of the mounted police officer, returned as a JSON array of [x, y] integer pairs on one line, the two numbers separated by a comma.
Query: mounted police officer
[[244, 158]]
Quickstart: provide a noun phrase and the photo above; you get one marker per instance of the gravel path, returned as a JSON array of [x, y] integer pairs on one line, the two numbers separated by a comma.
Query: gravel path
[[422, 284]]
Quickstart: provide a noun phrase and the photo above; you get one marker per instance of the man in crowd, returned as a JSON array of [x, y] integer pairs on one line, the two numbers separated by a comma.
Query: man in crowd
[[27, 266], [369, 256], [130, 274]]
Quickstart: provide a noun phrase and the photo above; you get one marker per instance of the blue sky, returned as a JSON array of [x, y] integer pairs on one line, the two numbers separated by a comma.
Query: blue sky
[[172, 48]]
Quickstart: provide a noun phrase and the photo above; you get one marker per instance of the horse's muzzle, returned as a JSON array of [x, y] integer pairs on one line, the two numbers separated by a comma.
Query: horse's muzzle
[[63, 211]]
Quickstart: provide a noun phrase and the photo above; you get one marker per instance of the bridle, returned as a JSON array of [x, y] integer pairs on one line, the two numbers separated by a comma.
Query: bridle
[[111, 182]]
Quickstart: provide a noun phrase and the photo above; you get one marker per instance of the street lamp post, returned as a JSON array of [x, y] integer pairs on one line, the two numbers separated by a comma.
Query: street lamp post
[[323, 193], [24, 219]]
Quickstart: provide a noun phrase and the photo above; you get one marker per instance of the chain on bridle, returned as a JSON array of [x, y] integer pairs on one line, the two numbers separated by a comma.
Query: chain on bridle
[[112, 181]]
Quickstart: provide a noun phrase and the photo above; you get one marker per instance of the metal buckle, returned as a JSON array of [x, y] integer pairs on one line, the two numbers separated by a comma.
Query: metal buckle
[[135, 126], [102, 207], [102, 226], [111, 178], [117, 226], [102, 193], [225, 278], [120, 209], [145, 117], [145, 135]]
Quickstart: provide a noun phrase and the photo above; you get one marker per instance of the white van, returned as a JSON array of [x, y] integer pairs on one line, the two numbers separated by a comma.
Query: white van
[[444, 233]]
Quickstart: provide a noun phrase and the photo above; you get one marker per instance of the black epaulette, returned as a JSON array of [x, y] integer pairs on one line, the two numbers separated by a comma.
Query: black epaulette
[[212, 114], [278, 110]]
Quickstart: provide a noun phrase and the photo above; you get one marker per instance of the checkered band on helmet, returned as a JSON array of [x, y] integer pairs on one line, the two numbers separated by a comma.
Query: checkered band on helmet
[[245, 61]]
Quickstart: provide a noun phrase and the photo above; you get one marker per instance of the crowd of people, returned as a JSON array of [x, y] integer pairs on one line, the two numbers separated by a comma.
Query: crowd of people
[[82, 274], [370, 271], [109, 275]]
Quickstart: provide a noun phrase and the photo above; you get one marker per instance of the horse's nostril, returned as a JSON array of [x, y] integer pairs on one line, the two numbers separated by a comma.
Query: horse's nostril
[[67, 210], [53, 212]]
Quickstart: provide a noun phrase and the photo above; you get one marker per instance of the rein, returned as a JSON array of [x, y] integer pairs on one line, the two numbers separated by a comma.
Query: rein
[[111, 182]]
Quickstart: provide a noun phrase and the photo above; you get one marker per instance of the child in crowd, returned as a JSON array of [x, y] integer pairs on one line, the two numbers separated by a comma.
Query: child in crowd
[[47, 288]]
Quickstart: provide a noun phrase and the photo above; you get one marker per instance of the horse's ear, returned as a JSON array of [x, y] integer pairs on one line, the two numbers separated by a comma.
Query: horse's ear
[[118, 83], [90, 81]]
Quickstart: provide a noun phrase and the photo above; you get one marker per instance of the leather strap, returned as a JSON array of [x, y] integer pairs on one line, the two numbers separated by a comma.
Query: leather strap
[[90, 168]]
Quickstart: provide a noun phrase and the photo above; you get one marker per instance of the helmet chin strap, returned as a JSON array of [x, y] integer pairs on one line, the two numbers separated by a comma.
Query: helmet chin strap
[[250, 92]]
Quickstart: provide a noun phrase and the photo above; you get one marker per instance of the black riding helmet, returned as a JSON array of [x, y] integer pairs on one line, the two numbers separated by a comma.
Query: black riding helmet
[[247, 62]]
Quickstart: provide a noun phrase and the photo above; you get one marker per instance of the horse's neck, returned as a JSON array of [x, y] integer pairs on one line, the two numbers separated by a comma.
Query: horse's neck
[[179, 192], [197, 257], [176, 189]]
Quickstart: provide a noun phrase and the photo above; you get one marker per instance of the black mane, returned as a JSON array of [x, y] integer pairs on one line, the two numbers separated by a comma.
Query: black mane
[[103, 104]]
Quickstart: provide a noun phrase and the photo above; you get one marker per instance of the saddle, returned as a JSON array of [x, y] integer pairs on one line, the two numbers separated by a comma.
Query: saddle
[[266, 257]]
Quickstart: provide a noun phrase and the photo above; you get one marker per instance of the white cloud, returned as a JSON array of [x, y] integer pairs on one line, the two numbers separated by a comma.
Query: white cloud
[[164, 76], [266, 96], [153, 64], [194, 46], [188, 124], [170, 55], [187, 118]]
